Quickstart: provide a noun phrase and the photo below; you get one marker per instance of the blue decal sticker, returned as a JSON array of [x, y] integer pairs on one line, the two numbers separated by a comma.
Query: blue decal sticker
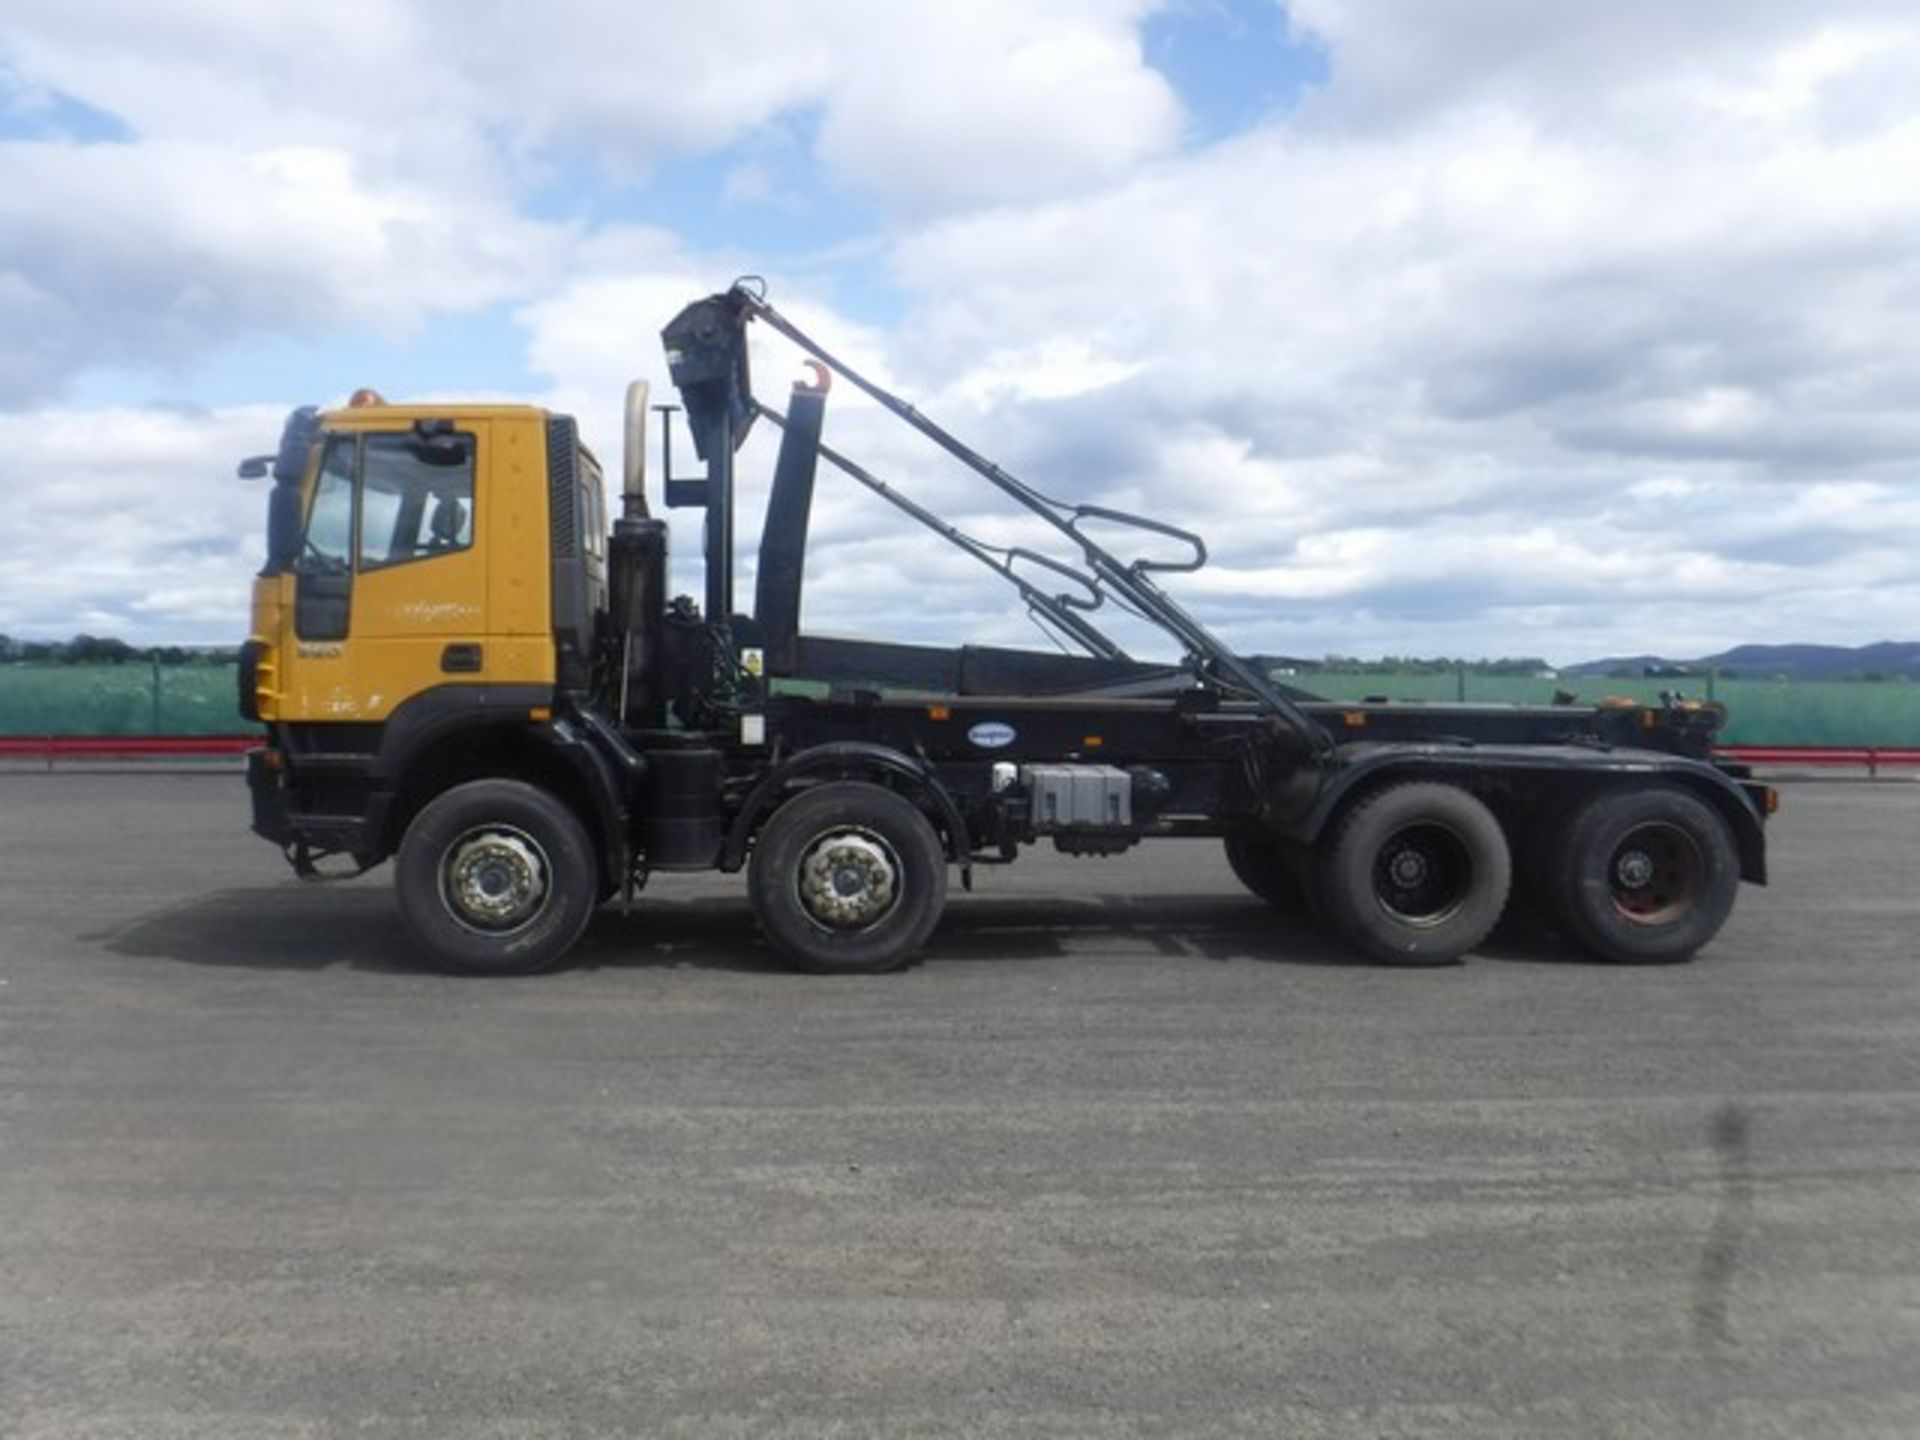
[[992, 734]]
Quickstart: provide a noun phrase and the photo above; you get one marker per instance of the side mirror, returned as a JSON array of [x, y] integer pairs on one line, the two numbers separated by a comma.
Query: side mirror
[[255, 467], [435, 443]]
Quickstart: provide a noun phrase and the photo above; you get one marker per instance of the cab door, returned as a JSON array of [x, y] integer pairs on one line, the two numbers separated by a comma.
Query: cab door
[[420, 577], [390, 591]]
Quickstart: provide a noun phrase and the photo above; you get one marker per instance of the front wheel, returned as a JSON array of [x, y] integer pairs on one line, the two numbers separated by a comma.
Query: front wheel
[[1416, 874], [1643, 875], [848, 878], [496, 877], [1261, 864]]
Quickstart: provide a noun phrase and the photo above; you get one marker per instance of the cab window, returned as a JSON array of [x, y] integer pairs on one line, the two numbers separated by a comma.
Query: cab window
[[593, 519], [416, 497]]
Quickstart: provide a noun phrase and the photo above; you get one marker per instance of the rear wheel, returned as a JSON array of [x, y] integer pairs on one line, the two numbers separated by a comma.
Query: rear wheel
[[848, 878], [1416, 874], [496, 877], [1643, 875]]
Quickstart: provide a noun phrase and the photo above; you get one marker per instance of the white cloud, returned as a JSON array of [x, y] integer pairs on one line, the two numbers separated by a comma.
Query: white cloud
[[1534, 328], [136, 527], [360, 164], [979, 103], [1462, 330], [920, 105], [156, 253], [1619, 69]]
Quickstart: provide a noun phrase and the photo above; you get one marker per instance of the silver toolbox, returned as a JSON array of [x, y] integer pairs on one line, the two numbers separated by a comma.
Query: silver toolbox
[[1078, 797]]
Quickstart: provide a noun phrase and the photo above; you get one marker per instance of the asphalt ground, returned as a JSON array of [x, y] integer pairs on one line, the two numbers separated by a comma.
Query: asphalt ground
[[1125, 1155]]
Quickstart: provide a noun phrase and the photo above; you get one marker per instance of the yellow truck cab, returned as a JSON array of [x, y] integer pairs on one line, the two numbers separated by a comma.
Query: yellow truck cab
[[427, 542], [433, 573]]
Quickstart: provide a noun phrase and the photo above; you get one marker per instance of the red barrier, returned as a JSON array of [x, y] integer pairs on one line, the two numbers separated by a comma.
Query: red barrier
[[135, 747], [115, 747], [1872, 758]]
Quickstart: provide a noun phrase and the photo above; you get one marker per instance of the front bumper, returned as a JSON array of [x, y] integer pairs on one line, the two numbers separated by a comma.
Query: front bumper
[[293, 808], [272, 807]]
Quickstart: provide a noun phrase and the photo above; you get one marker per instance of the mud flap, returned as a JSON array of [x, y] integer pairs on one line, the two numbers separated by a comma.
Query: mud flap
[[303, 857]]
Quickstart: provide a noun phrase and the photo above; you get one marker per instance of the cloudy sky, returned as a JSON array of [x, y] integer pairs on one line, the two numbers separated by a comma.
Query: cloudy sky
[[1490, 327]]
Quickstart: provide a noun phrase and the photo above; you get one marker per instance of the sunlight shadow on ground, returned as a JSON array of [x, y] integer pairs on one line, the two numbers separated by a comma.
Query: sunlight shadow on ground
[[298, 927]]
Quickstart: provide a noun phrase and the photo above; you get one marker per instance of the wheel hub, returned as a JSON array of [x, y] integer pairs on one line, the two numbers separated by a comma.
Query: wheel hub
[[495, 878], [848, 880], [1657, 874], [1634, 869], [1421, 876], [1408, 868]]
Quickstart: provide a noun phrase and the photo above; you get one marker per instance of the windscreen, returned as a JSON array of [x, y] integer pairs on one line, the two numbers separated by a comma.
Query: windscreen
[[329, 538]]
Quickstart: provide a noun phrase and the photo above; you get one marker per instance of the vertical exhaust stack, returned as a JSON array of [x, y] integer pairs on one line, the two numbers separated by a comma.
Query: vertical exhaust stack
[[637, 575], [633, 460]]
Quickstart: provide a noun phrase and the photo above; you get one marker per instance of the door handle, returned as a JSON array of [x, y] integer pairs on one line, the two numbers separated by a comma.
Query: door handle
[[461, 659]]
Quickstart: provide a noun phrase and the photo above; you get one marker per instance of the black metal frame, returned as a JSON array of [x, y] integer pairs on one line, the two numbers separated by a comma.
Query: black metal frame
[[706, 354], [1059, 610], [1127, 580]]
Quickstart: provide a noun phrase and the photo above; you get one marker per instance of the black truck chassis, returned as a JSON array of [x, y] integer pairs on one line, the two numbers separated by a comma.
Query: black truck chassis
[[848, 777]]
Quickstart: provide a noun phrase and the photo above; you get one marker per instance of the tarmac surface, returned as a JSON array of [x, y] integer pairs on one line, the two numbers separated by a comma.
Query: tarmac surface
[[1125, 1155]]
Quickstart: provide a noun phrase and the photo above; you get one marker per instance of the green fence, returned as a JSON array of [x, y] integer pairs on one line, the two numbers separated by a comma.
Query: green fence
[[135, 698], [1759, 712], [138, 698]]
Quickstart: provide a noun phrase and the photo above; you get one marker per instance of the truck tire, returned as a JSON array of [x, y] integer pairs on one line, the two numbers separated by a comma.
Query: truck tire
[[496, 877], [1260, 864], [848, 878], [1415, 874], [1643, 875]]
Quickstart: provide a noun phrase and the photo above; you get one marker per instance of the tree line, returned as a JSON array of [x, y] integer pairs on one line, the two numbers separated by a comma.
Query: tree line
[[1522, 665], [107, 650]]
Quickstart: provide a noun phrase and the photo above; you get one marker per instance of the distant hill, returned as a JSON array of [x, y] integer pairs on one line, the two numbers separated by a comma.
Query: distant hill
[[1886, 659]]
